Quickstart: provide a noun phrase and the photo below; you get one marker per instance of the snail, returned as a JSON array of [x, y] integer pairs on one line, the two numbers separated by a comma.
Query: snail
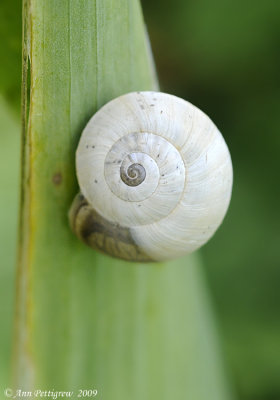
[[155, 176]]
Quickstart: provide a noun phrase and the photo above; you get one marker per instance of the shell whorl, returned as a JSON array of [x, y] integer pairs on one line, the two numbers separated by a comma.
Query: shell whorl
[[156, 166]]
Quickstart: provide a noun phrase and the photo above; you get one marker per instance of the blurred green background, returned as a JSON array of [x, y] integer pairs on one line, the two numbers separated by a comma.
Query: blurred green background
[[223, 56]]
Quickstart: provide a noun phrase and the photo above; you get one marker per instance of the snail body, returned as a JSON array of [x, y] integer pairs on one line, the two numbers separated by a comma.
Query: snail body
[[155, 176]]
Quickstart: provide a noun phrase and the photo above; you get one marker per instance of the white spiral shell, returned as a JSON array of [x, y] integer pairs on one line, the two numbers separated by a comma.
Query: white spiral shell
[[155, 167]]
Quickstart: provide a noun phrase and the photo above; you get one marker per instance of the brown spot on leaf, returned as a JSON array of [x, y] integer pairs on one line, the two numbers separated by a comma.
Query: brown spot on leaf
[[57, 178]]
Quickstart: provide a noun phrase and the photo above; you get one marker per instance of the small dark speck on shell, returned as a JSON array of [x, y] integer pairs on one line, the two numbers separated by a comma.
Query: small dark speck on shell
[[93, 147], [57, 178], [161, 111], [152, 105], [95, 181], [142, 107]]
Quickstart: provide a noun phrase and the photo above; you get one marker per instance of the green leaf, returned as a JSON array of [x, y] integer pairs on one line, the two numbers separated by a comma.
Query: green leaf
[[10, 50], [9, 179], [85, 320]]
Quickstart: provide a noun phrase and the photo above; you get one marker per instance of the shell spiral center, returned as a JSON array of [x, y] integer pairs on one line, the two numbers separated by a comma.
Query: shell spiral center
[[134, 175]]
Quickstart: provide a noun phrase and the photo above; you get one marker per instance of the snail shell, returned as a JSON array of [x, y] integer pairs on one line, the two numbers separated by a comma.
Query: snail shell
[[155, 176]]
